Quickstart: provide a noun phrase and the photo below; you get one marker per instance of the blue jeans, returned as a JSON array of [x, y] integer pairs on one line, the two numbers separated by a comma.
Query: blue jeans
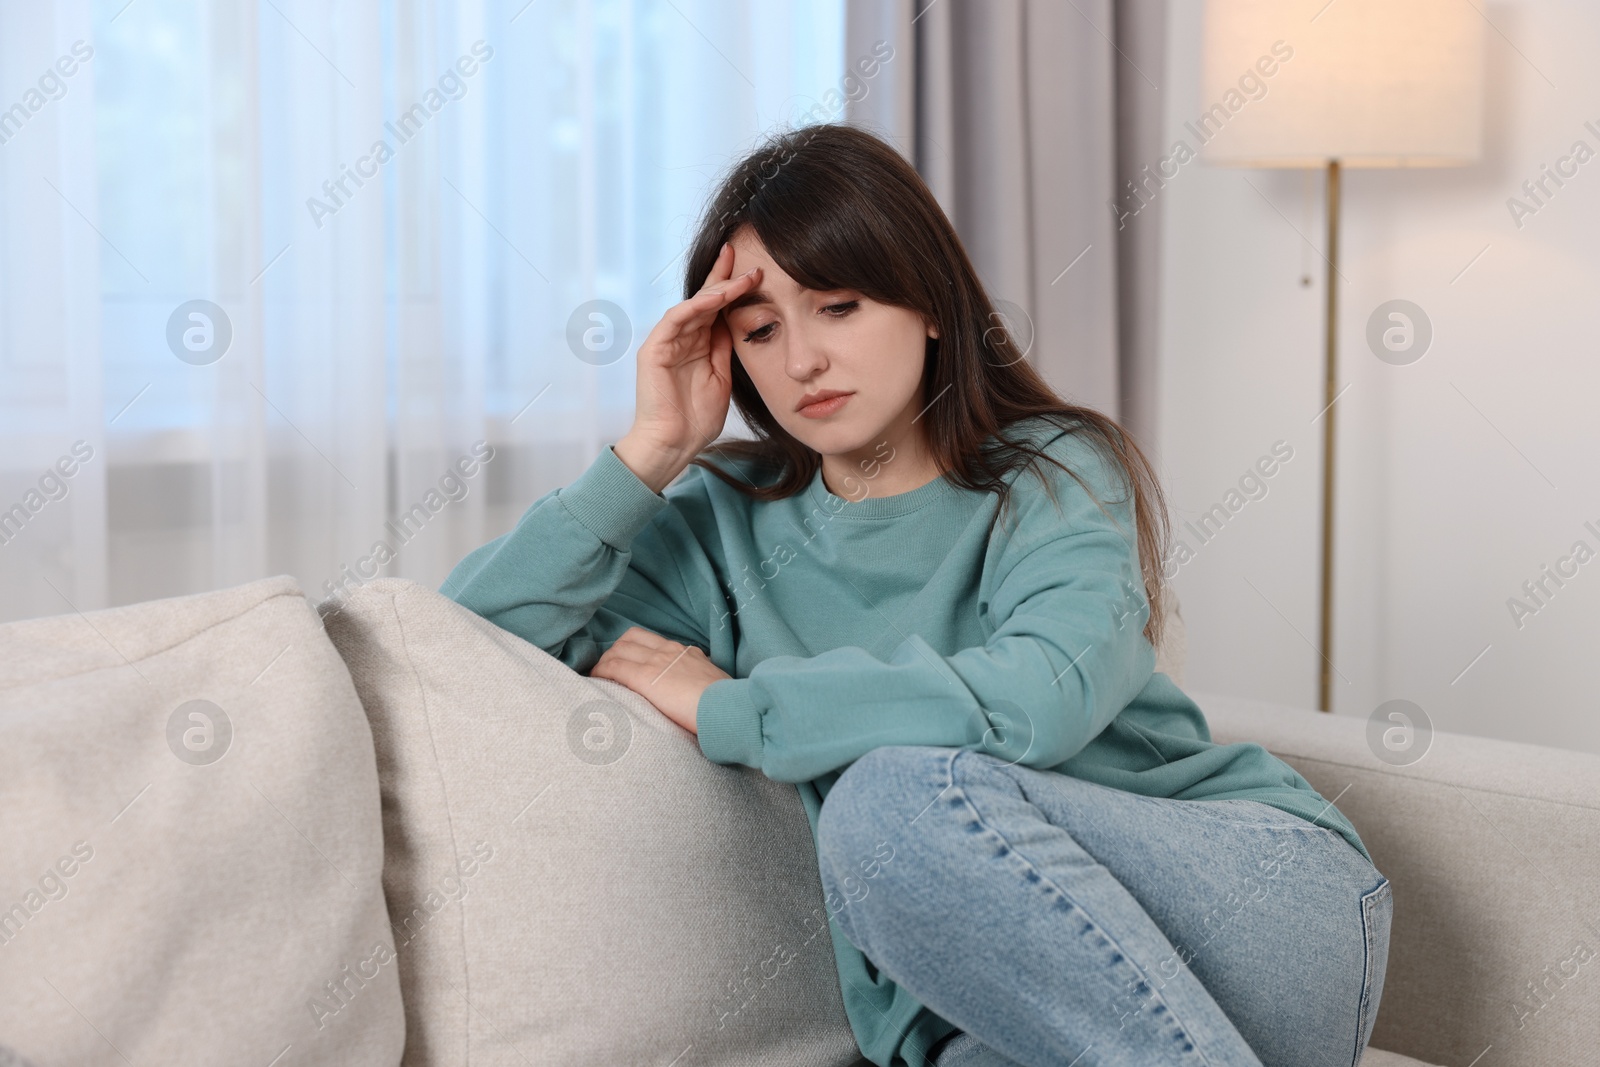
[[1057, 922]]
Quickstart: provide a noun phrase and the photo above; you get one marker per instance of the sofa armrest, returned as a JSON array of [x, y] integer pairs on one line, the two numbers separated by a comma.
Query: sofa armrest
[[1493, 850]]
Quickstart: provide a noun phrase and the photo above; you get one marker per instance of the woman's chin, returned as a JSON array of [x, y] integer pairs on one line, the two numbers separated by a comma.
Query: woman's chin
[[829, 437]]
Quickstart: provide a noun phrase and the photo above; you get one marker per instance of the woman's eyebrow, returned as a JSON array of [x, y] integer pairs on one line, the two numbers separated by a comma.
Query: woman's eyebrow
[[754, 296]]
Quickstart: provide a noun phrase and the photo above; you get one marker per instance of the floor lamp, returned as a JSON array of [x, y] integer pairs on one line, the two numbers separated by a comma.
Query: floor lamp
[[1334, 84]]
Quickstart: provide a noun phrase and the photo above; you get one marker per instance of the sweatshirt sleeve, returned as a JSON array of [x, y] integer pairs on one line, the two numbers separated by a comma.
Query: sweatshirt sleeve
[[1066, 655], [584, 563]]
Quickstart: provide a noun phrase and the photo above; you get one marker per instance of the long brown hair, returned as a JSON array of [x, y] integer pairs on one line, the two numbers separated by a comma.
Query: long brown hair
[[837, 208]]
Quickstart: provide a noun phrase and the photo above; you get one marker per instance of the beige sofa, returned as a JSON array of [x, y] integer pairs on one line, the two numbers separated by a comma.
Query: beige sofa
[[241, 831]]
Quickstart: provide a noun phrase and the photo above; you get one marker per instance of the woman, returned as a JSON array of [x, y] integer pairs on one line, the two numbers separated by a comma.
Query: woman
[[1032, 852]]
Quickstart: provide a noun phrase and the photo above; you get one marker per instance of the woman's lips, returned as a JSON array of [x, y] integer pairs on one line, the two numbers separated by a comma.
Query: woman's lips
[[824, 408]]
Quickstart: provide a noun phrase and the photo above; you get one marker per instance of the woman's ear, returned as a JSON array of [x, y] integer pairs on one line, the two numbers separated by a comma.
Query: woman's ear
[[933, 331]]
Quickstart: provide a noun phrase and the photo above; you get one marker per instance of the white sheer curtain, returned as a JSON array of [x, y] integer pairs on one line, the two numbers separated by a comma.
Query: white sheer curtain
[[388, 308]]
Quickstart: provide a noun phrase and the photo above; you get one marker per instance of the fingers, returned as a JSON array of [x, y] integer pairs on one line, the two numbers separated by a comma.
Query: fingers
[[735, 288], [639, 658], [700, 308], [721, 267], [639, 645], [722, 350], [649, 638], [619, 669]]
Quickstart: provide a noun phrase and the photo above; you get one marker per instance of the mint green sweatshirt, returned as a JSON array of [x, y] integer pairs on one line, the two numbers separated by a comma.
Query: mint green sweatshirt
[[852, 623]]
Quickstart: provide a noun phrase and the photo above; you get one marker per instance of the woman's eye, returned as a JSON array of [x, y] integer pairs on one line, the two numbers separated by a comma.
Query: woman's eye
[[836, 311]]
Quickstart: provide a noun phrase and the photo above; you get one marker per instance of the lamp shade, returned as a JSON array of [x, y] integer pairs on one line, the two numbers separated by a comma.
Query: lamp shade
[[1371, 83]]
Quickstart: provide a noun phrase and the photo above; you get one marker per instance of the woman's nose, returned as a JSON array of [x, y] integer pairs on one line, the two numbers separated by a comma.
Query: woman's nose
[[805, 360]]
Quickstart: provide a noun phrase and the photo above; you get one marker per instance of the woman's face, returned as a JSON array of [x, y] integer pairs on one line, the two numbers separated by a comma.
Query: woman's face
[[796, 342]]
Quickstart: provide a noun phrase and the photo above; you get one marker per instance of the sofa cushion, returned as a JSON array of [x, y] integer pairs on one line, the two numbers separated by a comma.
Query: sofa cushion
[[571, 882], [193, 848]]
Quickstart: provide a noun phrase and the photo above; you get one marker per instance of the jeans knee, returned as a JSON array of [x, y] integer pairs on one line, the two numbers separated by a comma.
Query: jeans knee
[[862, 833], [853, 810], [877, 798]]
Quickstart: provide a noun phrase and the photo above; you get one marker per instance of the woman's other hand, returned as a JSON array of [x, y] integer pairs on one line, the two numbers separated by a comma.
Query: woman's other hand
[[669, 675], [684, 379]]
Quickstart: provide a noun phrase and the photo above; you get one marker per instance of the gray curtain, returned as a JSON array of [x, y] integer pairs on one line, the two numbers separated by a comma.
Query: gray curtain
[[1026, 118]]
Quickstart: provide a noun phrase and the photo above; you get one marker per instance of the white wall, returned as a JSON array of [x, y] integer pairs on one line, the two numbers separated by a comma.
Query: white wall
[[1446, 503]]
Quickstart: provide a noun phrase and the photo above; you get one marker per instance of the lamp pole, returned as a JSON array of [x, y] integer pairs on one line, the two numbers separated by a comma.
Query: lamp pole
[[1330, 388]]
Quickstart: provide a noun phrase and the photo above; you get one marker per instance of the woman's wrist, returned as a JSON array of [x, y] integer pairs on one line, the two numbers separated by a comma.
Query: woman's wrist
[[653, 464]]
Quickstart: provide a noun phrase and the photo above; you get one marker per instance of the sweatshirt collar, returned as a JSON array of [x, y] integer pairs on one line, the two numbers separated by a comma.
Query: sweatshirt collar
[[862, 503]]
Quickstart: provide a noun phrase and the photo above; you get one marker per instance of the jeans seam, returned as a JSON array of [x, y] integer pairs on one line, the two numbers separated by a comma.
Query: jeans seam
[[976, 814], [1295, 822], [1369, 902]]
